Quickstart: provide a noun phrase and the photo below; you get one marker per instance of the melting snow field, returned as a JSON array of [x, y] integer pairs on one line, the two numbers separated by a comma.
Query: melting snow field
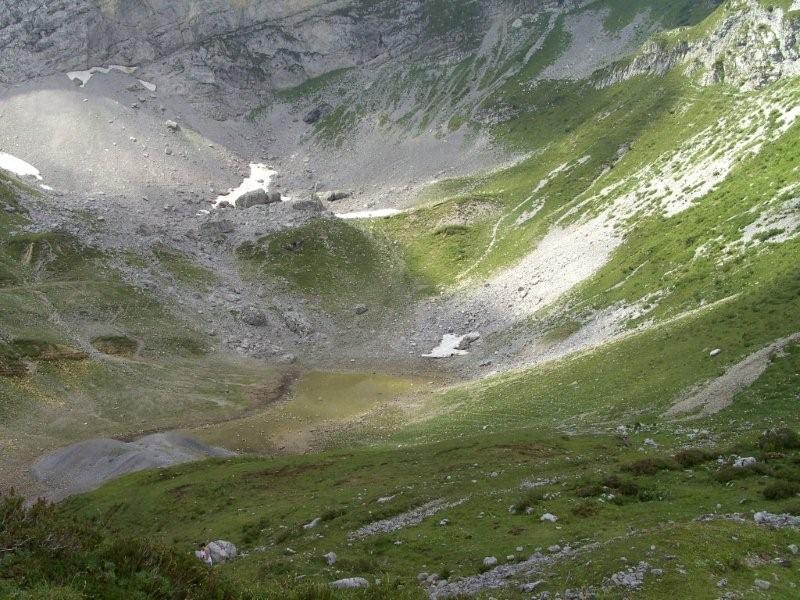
[[452, 345], [85, 76], [370, 214], [259, 179], [18, 166]]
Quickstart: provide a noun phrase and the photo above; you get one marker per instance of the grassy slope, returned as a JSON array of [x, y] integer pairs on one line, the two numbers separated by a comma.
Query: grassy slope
[[59, 303], [332, 261]]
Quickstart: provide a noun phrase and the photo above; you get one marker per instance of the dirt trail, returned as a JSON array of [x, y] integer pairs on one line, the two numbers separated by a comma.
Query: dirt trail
[[719, 393]]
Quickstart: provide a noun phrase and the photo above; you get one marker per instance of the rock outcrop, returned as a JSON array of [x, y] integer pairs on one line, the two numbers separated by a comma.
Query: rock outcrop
[[748, 48]]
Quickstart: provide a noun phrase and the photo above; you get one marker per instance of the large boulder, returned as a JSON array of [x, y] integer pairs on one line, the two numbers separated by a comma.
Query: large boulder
[[216, 229], [351, 583], [221, 551], [257, 198], [468, 340], [332, 195], [311, 205]]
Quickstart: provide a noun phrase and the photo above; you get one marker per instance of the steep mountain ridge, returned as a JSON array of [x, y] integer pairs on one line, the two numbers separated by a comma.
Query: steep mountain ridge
[[747, 45]]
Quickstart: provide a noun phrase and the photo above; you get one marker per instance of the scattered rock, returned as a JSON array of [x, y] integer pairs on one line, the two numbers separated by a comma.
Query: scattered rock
[[217, 228], [360, 309], [257, 198], [549, 517], [172, 126], [489, 561], [777, 521], [468, 340], [715, 352], [406, 519], [221, 551], [313, 205], [530, 587], [744, 461], [253, 317], [793, 548], [330, 558], [632, 578], [296, 323], [332, 196], [762, 584], [651, 442], [312, 524], [350, 583]]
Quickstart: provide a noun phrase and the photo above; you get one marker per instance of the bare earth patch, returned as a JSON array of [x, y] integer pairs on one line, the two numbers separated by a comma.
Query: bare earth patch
[[718, 393]]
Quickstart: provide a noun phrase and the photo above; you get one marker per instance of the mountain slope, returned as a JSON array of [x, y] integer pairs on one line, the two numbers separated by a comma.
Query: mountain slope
[[626, 424]]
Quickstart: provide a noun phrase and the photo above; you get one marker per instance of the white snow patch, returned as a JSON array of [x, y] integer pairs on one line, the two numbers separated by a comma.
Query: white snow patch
[[370, 214], [259, 179], [46, 188], [18, 167], [147, 85], [85, 76], [449, 346]]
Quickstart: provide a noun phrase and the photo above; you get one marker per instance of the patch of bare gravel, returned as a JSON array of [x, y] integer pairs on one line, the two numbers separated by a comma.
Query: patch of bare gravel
[[406, 519], [719, 393]]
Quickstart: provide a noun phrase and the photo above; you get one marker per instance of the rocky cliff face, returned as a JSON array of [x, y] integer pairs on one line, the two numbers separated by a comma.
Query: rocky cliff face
[[748, 47], [236, 45], [225, 46], [234, 52]]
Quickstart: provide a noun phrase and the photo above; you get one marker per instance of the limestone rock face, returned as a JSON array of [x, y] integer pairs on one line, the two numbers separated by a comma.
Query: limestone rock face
[[749, 48], [201, 47]]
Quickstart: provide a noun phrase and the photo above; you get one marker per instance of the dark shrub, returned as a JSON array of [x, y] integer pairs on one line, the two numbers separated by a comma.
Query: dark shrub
[[587, 508], [691, 457], [529, 500], [621, 486], [728, 472], [779, 438], [781, 489], [650, 466], [589, 490]]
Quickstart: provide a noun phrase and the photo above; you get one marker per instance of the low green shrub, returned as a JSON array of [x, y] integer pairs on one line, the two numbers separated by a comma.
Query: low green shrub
[[691, 457], [781, 489], [650, 466], [779, 438]]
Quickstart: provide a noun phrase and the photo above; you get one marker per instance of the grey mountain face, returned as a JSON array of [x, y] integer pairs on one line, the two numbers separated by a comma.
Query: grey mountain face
[[220, 46]]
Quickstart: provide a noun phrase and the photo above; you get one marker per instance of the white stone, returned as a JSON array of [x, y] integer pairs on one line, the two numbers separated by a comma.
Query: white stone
[[350, 583], [549, 517]]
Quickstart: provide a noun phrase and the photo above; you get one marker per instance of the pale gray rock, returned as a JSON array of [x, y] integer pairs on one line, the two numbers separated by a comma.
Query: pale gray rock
[[350, 583], [222, 551]]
